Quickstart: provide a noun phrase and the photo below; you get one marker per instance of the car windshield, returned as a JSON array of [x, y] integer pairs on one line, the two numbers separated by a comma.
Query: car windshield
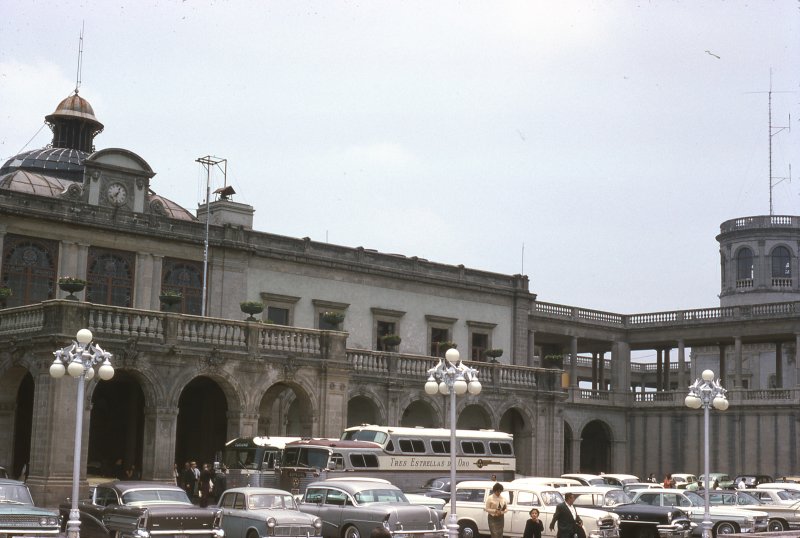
[[551, 498], [155, 496], [435, 483], [15, 494], [745, 498], [616, 496], [369, 496], [787, 495], [272, 501]]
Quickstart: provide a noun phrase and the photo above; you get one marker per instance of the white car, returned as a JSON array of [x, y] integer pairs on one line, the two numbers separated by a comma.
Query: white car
[[782, 517], [597, 496], [775, 496], [684, 480], [725, 520], [616, 479], [521, 497], [586, 479]]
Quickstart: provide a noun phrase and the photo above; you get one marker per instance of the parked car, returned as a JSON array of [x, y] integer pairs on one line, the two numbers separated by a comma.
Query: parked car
[[521, 497], [597, 496], [352, 508], [752, 480], [775, 496], [633, 486], [259, 512], [791, 486], [615, 479], [138, 508], [433, 502], [586, 479], [724, 481], [20, 517], [781, 517], [645, 521], [684, 480], [726, 520], [792, 479], [552, 481], [440, 487]]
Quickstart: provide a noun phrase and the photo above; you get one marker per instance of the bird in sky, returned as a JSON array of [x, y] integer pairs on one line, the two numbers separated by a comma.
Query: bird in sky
[[712, 54]]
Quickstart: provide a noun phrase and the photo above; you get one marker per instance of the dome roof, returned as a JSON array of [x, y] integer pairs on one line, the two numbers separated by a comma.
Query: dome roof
[[77, 107], [169, 208], [32, 183], [63, 163]]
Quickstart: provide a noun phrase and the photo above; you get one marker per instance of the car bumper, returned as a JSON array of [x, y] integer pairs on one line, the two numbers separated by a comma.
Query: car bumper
[[674, 531], [604, 533]]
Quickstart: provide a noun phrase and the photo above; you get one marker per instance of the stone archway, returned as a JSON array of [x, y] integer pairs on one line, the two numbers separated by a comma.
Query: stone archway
[[17, 388], [362, 410], [286, 411], [202, 421], [473, 417], [116, 426], [596, 441], [567, 448], [420, 413], [513, 422]]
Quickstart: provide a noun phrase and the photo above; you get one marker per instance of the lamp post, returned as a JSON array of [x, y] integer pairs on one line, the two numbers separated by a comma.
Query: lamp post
[[79, 360], [452, 377], [706, 392]]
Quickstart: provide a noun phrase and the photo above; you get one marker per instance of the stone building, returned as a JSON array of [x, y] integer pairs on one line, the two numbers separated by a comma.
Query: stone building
[[193, 374]]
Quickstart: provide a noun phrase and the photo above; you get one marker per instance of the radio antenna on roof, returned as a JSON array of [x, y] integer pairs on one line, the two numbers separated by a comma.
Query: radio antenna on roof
[[80, 60]]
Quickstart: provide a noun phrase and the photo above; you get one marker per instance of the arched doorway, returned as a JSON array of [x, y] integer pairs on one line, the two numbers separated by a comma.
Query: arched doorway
[[23, 420], [567, 449], [202, 421], [116, 430], [362, 410], [473, 417], [286, 411], [513, 422], [596, 448]]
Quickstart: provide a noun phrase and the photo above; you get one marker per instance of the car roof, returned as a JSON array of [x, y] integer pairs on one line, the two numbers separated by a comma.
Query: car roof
[[624, 476], [251, 490], [352, 486], [126, 485], [547, 481], [582, 490], [487, 484]]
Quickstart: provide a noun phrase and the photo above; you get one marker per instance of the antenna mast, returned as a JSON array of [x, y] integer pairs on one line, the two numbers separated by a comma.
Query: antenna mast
[[80, 61], [208, 161], [773, 130]]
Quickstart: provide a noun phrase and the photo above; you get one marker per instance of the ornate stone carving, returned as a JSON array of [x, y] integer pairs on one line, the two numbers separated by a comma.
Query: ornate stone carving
[[214, 358], [288, 369], [73, 192], [128, 355], [157, 207]]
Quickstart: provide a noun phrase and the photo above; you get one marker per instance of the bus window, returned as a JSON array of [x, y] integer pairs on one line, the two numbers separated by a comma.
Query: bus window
[[412, 445], [363, 460], [440, 447], [365, 435], [305, 457], [500, 448], [337, 461], [472, 447]]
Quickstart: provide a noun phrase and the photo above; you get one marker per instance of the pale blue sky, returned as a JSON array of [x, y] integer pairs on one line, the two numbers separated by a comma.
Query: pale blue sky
[[610, 138]]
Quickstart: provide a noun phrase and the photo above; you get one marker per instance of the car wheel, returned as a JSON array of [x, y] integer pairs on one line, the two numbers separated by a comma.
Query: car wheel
[[726, 527], [252, 534], [351, 532], [467, 530], [776, 525]]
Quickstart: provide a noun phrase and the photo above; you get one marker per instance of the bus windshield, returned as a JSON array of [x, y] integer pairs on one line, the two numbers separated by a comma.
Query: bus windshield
[[365, 435], [305, 457], [247, 458]]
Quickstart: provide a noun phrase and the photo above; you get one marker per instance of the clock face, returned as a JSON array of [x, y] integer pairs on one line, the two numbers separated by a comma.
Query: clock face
[[117, 194]]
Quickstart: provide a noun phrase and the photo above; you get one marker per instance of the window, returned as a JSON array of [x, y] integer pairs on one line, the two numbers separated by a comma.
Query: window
[[500, 448], [781, 263], [337, 461], [527, 498], [363, 460], [744, 264], [238, 502], [110, 277], [187, 278], [314, 495], [472, 447], [279, 308], [384, 323], [384, 328], [440, 447], [412, 445], [29, 269], [440, 330], [336, 497], [480, 339], [321, 307]]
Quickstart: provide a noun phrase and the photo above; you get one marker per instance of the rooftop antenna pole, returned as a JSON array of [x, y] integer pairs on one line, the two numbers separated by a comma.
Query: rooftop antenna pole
[[80, 61], [208, 161], [773, 130]]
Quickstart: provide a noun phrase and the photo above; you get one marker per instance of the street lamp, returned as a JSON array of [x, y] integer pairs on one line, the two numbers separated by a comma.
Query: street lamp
[[79, 360], [704, 393], [454, 378]]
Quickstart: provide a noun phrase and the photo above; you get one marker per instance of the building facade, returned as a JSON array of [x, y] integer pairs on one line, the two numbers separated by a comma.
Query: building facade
[[194, 372]]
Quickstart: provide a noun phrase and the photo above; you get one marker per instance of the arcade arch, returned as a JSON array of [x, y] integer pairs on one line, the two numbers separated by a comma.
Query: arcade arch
[[473, 417], [202, 427], [363, 410], [420, 413], [513, 422], [596, 439], [16, 412], [286, 410]]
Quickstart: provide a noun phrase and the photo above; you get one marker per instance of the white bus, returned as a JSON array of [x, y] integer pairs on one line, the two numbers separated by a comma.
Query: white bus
[[251, 461], [407, 457]]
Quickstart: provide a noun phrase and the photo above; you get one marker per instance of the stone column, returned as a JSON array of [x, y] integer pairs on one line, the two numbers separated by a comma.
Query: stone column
[[778, 365], [531, 348], [659, 371], [160, 429], [797, 358], [667, 366], [595, 382], [601, 373], [737, 352], [3, 231], [573, 364], [682, 365], [620, 366], [242, 424]]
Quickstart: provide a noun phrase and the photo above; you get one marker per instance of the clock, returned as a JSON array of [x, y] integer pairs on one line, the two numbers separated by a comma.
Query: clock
[[117, 194]]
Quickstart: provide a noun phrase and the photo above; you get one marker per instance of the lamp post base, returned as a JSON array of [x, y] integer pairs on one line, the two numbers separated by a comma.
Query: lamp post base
[[74, 524], [707, 526], [452, 527]]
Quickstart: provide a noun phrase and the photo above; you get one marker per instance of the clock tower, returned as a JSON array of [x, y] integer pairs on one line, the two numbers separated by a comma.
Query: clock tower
[[118, 179]]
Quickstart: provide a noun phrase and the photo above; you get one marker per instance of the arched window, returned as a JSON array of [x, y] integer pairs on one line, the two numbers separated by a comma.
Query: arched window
[[110, 277], [744, 264], [29, 269], [186, 277], [781, 263]]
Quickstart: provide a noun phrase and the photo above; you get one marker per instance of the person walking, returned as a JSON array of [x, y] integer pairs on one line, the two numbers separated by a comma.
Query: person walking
[[569, 522], [496, 507], [205, 485], [534, 525]]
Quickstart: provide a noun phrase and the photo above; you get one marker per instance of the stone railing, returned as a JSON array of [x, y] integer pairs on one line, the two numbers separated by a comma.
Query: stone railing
[[749, 397], [667, 318], [760, 222]]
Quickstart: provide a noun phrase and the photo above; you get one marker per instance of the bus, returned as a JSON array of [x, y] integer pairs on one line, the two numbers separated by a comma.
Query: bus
[[251, 461], [407, 457]]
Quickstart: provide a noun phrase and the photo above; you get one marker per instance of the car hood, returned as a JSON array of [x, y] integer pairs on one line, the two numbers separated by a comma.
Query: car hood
[[724, 510], [26, 509]]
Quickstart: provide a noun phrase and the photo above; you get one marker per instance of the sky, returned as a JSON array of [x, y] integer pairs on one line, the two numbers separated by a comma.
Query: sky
[[595, 146]]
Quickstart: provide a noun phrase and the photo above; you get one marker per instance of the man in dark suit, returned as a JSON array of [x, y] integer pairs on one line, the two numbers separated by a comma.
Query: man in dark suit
[[569, 522]]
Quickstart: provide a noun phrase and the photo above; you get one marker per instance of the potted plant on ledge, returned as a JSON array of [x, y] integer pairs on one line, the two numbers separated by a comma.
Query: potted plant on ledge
[[493, 354], [71, 285], [251, 308], [170, 298], [5, 293], [390, 342], [333, 318]]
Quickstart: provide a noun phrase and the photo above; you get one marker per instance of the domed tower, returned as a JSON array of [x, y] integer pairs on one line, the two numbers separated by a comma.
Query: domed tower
[[759, 260], [74, 124], [74, 127]]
